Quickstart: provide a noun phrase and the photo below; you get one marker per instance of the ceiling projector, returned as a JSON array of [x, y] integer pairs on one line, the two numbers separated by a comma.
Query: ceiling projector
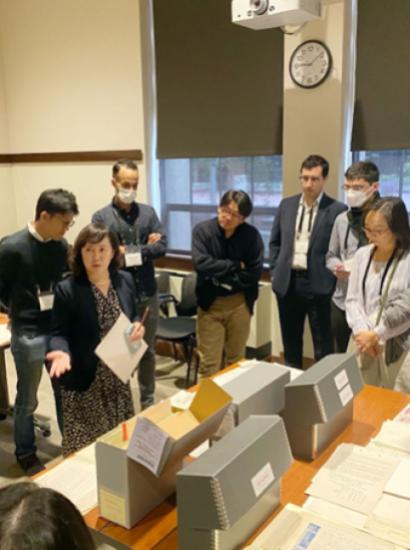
[[266, 14]]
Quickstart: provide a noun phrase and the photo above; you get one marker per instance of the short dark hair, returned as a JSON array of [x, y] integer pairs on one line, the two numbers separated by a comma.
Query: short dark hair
[[395, 213], [316, 160], [123, 163], [94, 233], [37, 518], [240, 198], [56, 201], [365, 170]]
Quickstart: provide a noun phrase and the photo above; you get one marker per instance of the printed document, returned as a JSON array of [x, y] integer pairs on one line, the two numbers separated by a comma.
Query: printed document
[[354, 477], [115, 351], [297, 529]]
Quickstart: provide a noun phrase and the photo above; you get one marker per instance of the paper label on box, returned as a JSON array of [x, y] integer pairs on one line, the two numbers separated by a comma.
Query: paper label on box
[[147, 444], [341, 379], [262, 479], [112, 506], [346, 395]]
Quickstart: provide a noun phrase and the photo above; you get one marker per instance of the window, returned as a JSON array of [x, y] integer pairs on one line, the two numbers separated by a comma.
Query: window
[[191, 189], [394, 166]]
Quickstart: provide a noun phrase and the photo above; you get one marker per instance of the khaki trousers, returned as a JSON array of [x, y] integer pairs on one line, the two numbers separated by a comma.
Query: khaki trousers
[[222, 333]]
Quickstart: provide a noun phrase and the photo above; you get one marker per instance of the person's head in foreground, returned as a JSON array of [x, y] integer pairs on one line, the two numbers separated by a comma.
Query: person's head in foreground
[[36, 518]]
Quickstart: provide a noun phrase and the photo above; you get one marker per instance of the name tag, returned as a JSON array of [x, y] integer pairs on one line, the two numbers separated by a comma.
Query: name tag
[[301, 246], [46, 300], [133, 259]]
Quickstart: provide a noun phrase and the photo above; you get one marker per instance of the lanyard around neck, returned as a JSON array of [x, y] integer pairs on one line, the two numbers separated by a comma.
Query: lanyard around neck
[[389, 263], [302, 217]]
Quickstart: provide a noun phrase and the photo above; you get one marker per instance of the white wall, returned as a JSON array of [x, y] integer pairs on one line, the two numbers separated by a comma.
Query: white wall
[[72, 74], [70, 80]]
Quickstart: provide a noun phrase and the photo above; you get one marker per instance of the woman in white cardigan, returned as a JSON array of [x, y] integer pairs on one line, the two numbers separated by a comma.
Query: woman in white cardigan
[[380, 272]]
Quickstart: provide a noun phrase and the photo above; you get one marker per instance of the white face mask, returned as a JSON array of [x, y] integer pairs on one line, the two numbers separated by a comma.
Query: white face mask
[[356, 199], [127, 196]]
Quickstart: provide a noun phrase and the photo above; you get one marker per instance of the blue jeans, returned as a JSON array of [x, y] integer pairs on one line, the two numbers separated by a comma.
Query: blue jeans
[[28, 380], [146, 368]]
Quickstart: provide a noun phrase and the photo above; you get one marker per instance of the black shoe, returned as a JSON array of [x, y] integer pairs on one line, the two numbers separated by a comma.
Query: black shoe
[[30, 464]]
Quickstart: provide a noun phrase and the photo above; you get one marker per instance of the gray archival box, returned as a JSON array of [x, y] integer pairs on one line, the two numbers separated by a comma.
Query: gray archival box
[[233, 487], [319, 403], [259, 390]]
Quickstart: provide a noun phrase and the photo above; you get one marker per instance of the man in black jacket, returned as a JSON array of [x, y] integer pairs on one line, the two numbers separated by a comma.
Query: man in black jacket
[[142, 239], [227, 254], [298, 246], [32, 261]]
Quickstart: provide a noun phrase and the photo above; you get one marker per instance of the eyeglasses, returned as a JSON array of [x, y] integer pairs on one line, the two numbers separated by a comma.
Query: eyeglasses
[[348, 187], [228, 212], [313, 179], [66, 223], [375, 232]]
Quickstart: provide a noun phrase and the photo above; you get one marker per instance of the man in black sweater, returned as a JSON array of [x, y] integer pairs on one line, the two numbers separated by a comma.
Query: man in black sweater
[[32, 261], [227, 254], [142, 239]]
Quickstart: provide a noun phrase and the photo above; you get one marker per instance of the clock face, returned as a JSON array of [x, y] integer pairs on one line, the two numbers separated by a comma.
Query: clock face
[[310, 64]]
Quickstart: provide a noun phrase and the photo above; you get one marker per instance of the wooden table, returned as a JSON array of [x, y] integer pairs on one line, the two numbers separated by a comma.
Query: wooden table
[[158, 530]]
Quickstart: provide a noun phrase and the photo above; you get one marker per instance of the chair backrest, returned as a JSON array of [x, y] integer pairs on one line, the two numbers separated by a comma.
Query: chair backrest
[[162, 279], [188, 302]]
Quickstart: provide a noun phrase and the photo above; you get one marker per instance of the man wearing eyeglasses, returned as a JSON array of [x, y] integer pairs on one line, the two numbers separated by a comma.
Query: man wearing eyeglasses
[[227, 254], [298, 246], [348, 234], [32, 262]]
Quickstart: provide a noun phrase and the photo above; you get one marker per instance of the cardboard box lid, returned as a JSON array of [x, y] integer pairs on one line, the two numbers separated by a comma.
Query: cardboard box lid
[[218, 488], [162, 437], [322, 391]]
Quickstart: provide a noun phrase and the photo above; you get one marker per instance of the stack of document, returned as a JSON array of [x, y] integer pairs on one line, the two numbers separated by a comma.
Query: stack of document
[[394, 435], [75, 478], [298, 529], [366, 488]]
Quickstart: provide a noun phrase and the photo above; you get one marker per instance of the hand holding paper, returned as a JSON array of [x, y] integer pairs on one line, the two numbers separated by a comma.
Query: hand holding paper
[[117, 353]]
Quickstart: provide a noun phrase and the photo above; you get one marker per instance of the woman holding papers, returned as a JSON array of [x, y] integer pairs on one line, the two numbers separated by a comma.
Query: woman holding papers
[[86, 307], [379, 280]]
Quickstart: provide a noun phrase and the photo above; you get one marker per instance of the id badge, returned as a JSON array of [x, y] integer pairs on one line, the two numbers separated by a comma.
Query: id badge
[[46, 300], [301, 246], [133, 257]]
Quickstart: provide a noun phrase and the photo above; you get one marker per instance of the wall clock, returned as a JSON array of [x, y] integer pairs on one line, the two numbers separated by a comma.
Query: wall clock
[[310, 64]]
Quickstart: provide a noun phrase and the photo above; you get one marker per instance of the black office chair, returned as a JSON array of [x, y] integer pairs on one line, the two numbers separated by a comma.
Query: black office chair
[[181, 328]]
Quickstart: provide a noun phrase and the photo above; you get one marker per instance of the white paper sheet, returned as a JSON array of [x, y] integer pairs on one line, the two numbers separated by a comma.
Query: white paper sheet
[[146, 444], [391, 520], [5, 335], [182, 400], [404, 415], [399, 483], [394, 434], [297, 529], [76, 479], [334, 512], [114, 351], [353, 477]]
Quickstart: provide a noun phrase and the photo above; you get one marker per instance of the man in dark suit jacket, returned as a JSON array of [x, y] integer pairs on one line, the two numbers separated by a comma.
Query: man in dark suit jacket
[[298, 246]]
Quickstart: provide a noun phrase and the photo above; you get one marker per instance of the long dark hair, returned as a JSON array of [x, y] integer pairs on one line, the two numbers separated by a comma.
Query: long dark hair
[[36, 518], [94, 233], [395, 213]]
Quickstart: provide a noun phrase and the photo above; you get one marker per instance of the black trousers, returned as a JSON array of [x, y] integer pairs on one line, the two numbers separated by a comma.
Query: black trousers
[[299, 302], [340, 328]]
